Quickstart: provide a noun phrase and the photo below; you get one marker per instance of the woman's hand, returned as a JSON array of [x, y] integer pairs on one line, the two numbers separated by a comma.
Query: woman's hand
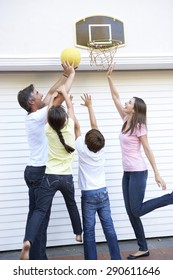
[[160, 182], [110, 70]]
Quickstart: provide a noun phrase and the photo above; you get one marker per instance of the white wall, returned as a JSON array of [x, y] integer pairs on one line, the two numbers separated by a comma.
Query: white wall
[[155, 87], [42, 28]]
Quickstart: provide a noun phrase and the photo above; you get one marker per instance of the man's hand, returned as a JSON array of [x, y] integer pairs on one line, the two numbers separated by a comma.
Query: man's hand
[[68, 69]]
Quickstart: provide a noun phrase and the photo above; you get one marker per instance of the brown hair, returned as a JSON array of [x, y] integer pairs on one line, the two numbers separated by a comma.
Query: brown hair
[[57, 118], [139, 117], [94, 140]]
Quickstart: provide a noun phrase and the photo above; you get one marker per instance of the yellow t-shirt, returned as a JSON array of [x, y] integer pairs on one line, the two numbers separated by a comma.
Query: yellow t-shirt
[[59, 160]]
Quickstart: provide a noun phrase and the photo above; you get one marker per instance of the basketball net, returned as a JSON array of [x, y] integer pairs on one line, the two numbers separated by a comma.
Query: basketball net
[[102, 54]]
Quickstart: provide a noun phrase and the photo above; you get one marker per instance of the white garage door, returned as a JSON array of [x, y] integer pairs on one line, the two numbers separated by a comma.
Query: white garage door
[[155, 87]]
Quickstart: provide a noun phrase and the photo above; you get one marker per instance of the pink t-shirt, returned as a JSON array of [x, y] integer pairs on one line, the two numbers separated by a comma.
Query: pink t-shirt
[[132, 159]]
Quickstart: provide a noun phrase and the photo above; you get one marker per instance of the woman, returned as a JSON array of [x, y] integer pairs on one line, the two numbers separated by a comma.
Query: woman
[[58, 175], [133, 135]]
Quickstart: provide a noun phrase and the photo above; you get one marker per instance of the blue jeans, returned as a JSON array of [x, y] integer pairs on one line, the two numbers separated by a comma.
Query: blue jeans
[[134, 186], [50, 185], [97, 201], [33, 177]]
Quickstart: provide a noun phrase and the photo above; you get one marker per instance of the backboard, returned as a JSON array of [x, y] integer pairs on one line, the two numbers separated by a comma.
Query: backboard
[[100, 28]]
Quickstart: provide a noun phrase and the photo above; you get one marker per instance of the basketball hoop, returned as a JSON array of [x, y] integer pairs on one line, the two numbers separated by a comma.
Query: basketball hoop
[[102, 52]]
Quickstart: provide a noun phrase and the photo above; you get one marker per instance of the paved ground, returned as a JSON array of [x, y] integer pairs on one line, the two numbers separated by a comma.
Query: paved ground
[[160, 249]]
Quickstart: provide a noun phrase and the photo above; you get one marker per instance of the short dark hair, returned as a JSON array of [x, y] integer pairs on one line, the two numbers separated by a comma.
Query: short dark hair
[[94, 140], [23, 97]]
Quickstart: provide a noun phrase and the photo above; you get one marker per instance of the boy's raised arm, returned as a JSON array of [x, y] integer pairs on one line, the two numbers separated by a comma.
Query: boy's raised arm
[[88, 103]]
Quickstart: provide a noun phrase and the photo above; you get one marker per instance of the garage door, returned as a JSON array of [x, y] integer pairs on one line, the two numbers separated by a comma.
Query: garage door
[[155, 87]]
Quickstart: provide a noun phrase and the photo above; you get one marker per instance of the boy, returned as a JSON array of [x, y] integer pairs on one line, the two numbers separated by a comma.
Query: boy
[[91, 179]]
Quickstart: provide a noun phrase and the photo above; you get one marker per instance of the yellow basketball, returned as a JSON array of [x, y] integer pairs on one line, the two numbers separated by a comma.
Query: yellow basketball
[[72, 55]]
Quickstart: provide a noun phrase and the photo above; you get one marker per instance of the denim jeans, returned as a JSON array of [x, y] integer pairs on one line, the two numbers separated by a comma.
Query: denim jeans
[[134, 186], [33, 177], [97, 201], [50, 185]]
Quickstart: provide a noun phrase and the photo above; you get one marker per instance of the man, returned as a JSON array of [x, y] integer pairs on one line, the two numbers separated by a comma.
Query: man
[[36, 106]]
